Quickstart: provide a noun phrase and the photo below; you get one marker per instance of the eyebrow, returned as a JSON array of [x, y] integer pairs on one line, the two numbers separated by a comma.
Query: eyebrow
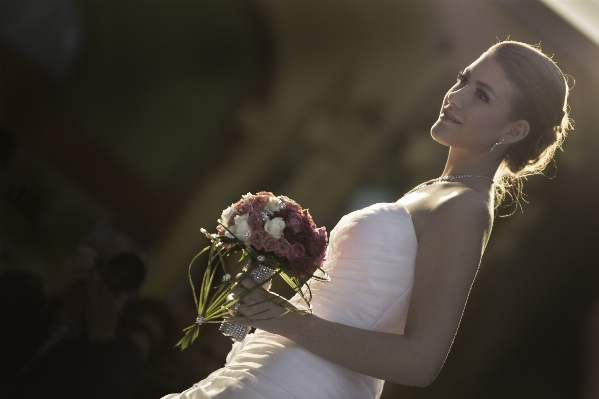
[[480, 83]]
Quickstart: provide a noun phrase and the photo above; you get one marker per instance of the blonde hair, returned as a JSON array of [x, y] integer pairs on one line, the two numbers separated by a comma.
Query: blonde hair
[[542, 100]]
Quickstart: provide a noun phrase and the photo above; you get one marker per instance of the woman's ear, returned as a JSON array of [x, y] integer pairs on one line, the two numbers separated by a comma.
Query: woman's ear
[[518, 131]]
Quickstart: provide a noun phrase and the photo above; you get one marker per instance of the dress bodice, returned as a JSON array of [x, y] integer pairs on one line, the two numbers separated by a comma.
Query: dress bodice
[[370, 260]]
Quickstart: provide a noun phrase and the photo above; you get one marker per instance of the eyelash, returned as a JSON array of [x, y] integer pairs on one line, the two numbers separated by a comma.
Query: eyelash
[[480, 93]]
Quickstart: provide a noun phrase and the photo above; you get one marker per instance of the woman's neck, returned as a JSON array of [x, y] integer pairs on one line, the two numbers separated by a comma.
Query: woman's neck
[[462, 162]]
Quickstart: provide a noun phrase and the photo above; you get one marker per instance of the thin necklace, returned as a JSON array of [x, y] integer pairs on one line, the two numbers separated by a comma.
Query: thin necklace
[[445, 178]]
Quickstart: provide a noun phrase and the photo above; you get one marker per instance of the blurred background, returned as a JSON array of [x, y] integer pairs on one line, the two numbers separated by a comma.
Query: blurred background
[[162, 113]]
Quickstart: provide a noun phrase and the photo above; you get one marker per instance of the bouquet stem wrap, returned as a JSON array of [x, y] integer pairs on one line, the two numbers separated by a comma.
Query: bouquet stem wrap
[[237, 332]]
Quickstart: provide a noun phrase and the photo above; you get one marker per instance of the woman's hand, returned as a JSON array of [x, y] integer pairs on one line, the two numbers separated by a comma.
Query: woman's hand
[[258, 307]]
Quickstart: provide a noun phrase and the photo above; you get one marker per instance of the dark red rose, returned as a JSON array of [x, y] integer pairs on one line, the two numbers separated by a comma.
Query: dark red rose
[[317, 247], [255, 220], [257, 238], [283, 248], [297, 251], [311, 269], [302, 237], [289, 235], [307, 229], [283, 213], [308, 217], [271, 244], [294, 221], [305, 264]]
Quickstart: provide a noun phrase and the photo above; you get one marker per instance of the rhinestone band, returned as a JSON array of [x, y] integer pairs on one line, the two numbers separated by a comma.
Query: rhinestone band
[[262, 273], [237, 332], [266, 214], [199, 320]]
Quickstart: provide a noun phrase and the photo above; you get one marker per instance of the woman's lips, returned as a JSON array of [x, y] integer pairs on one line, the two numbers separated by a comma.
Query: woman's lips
[[449, 117]]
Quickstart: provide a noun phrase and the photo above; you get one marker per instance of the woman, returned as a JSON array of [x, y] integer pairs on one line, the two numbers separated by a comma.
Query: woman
[[503, 119]]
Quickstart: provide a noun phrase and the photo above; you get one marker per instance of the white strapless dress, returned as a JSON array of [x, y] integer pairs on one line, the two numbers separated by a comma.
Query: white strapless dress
[[370, 259]]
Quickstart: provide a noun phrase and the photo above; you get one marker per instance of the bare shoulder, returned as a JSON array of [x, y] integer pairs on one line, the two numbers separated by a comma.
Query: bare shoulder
[[463, 204], [451, 208]]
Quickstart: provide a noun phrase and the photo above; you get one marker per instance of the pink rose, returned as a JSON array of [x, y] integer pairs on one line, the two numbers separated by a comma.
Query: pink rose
[[283, 248], [244, 208], [254, 220], [271, 244], [320, 260], [294, 222], [297, 251], [262, 198], [322, 232], [266, 193], [292, 206], [231, 221], [257, 238]]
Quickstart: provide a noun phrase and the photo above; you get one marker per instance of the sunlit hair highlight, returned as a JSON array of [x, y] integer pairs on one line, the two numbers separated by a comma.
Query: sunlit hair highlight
[[542, 100]]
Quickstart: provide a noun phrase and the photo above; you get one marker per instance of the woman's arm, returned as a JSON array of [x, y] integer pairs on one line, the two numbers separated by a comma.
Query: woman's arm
[[450, 246]]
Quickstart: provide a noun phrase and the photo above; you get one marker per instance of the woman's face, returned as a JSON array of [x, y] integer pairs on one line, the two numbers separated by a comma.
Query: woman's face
[[475, 110]]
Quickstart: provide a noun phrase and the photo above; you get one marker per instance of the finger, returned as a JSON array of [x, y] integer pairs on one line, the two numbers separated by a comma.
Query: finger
[[247, 282]]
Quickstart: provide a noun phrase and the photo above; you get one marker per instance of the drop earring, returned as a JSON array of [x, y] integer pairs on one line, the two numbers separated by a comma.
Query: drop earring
[[497, 143]]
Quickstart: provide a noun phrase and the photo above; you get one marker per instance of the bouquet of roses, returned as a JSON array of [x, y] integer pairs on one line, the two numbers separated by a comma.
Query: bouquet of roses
[[273, 236]]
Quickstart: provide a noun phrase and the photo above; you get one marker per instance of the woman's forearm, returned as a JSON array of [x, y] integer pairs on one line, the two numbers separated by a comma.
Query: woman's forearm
[[390, 357]]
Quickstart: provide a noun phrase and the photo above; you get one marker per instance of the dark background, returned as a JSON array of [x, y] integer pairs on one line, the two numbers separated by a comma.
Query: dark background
[[165, 112]]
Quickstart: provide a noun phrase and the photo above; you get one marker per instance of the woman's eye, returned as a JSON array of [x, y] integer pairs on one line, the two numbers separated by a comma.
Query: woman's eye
[[482, 95]]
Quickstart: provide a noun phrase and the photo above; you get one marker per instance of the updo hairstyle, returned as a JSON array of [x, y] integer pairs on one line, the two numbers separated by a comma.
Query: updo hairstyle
[[541, 98]]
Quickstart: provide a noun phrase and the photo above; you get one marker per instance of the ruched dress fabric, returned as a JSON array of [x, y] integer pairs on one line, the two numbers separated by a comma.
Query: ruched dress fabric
[[370, 260]]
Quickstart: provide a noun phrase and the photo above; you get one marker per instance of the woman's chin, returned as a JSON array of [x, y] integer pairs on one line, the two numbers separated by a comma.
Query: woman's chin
[[438, 133]]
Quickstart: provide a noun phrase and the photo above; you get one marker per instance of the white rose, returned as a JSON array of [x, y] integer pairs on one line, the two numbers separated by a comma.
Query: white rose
[[275, 227], [226, 215], [247, 197], [273, 204], [242, 229]]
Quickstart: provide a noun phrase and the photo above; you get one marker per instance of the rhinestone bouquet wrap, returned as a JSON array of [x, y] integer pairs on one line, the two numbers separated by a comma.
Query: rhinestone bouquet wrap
[[272, 236], [237, 332]]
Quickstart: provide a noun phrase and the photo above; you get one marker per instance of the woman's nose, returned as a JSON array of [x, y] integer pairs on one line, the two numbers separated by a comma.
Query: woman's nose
[[455, 97]]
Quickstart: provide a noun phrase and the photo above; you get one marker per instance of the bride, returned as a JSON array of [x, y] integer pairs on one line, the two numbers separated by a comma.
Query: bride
[[502, 120]]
